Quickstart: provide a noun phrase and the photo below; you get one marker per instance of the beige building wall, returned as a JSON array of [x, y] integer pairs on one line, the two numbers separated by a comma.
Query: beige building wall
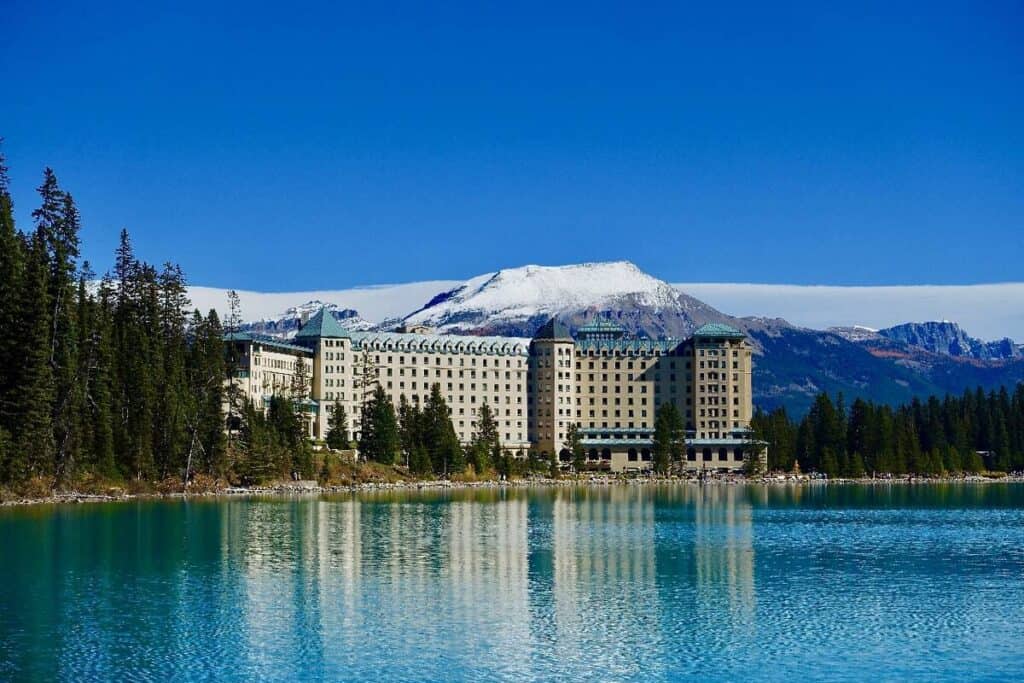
[[721, 378], [267, 367], [552, 396], [622, 389], [608, 385], [470, 372]]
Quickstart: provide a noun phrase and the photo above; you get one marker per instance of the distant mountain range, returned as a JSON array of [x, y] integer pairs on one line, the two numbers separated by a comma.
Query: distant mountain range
[[793, 364], [944, 338], [288, 323]]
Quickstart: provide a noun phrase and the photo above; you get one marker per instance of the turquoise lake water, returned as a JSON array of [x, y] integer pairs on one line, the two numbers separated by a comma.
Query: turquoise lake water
[[719, 583]]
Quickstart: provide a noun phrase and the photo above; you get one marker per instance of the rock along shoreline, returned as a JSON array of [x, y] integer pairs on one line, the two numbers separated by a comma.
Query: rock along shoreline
[[311, 488]]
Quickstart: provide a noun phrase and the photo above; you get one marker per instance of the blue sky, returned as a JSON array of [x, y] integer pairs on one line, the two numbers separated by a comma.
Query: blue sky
[[324, 145]]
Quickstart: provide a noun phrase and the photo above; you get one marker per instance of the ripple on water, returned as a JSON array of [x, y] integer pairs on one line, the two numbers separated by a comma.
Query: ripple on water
[[612, 584]]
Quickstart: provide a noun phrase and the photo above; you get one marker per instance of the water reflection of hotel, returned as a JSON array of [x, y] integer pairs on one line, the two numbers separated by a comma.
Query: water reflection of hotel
[[604, 578], [724, 547]]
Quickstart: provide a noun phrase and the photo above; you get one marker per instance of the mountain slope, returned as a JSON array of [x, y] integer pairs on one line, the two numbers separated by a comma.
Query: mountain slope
[[516, 301]]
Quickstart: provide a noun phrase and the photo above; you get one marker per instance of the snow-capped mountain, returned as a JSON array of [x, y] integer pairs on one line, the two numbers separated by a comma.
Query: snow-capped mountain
[[289, 322], [516, 301]]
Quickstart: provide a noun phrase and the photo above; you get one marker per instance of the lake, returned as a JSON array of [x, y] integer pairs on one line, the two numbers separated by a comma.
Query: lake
[[629, 582]]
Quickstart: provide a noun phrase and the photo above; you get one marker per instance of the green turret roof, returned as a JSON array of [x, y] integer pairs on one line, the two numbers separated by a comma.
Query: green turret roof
[[718, 330], [320, 325], [601, 325]]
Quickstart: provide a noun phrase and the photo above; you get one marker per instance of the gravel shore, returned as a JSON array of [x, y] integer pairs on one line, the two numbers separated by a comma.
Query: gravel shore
[[311, 488]]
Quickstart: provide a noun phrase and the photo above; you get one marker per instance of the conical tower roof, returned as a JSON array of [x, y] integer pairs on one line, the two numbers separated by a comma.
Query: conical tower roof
[[320, 325]]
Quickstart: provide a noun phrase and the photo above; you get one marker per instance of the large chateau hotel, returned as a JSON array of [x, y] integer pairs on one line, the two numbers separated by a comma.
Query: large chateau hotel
[[607, 382]]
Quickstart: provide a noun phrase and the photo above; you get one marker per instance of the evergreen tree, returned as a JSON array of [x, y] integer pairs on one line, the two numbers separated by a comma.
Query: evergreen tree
[[57, 226], [485, 440], [409, 422], [753, 453], [207, 373], [337, 433], [829, 463], [259, 448], [175, 408], [574, 442], [806, 448], [973, 463], [1002, 457], [439, 438], [951, 460], [33, 448], [669, 437], [98, 359], [856, 467], [12, 259], [136, 373], [419, 460], [379, 438]]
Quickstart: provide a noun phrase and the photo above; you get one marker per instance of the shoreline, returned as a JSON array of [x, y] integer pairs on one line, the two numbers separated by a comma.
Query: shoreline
[[292, 489]]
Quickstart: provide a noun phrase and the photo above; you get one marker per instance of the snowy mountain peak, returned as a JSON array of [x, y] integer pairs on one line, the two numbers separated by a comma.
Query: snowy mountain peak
[[289, 322], [516, 300], [310, 308], [532, 290]]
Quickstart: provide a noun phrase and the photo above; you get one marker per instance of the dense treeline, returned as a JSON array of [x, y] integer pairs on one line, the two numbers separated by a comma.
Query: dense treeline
[[424, 439], [116, 379], [968, 433], [112, 380]]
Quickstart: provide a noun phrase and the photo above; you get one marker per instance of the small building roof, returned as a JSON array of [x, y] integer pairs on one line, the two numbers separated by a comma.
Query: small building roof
[[320, 325], [718, 330], [553, 329], [628, 346], [602, 326], [601, 329], [265, 340]]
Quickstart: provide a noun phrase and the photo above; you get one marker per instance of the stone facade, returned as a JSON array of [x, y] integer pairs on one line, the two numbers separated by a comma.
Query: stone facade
[[607, 383]]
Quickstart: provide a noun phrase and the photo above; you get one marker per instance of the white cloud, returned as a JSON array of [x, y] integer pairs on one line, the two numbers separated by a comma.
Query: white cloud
[[990, 311], [373, 303]]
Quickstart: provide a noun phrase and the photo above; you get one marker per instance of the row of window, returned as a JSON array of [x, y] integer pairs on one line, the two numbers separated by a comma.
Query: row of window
[[451, 361], [275, 363]]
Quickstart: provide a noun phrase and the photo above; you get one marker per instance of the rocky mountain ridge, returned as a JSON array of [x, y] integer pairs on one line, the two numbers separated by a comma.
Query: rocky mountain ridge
[[793, 363]]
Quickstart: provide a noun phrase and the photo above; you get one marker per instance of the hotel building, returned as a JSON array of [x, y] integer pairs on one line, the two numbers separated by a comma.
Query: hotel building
[[605, 381]]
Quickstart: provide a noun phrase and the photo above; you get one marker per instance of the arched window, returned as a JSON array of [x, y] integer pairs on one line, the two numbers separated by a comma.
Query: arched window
[[565, 455], [706, 454], [723, 453], [606, 454], [632, 455], [592, 454], [691, 453], [645, 455]]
